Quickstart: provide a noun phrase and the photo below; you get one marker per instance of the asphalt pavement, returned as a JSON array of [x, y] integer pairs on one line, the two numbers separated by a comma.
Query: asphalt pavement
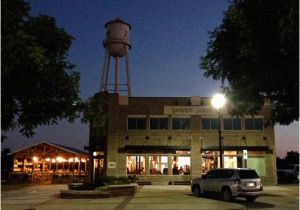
[[151, 197]]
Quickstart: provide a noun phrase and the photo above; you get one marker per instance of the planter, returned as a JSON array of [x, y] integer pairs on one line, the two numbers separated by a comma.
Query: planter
[[73, 186], [113, 191]]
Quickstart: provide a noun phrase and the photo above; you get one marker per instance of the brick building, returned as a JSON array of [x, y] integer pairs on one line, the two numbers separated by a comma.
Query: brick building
[[166, 139]]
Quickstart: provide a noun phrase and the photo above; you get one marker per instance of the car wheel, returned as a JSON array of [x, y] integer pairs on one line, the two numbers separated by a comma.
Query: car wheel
[[226, 194], [196, 191], [251, 198]]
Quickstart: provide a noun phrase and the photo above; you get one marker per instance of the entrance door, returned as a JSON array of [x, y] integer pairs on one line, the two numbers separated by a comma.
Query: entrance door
[[98, 167]]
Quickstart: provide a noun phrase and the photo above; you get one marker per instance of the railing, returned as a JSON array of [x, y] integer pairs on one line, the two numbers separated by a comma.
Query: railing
[[47, 178]]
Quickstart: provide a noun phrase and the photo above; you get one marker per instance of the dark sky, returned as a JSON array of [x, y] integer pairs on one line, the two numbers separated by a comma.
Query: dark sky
[[168, 38]]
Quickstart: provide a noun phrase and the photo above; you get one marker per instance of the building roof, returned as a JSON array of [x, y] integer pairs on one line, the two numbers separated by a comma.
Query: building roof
[[62, 147]]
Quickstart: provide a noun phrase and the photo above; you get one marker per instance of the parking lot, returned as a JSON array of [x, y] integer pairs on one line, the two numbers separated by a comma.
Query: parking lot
[[42, 197]]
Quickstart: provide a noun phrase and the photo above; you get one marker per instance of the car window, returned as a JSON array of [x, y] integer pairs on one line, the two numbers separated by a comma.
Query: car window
[[248, 174], [227, 173], [219, 174], [211, 174]]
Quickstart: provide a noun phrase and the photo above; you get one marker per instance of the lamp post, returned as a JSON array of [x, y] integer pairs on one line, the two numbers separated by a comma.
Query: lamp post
[[218, 101]]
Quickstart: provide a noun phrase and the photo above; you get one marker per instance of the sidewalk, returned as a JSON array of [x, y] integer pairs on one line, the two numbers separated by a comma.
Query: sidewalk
[[170, 197]]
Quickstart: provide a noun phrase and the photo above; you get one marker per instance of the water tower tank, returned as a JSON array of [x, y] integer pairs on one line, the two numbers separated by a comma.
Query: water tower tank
[[117, 37]]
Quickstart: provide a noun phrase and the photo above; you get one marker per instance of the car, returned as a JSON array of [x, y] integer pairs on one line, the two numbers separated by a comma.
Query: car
[[229, 183], [289, 173]]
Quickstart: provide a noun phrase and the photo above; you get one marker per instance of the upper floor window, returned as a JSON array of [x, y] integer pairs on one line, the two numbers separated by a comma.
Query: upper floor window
[[136, 123], [210, 124], [232, 124], [159, 123], [181, 123], [254, 124]]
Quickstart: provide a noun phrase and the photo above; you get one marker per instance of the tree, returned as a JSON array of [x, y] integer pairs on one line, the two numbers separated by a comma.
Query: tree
[[6, 163], [39, 85], [292, 157], [255, 50]]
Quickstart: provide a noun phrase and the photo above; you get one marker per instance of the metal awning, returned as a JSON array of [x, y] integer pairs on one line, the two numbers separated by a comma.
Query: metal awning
[[152, 149], [238, 148]]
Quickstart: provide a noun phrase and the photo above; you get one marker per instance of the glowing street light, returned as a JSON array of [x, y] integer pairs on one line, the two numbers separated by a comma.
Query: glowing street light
[[218, 101]]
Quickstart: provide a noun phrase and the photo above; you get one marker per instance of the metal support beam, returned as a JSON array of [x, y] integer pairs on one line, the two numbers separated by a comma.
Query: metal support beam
[[117, 74], [127, 73]]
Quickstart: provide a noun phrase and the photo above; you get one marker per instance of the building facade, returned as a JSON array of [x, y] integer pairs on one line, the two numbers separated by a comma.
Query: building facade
[[167, 139]]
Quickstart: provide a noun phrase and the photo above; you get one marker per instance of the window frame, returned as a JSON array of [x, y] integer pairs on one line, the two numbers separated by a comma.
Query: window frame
[[210, 119], [159, 123], [232, 124], [181, 118], [158, 161], [136, 122], [133, 158], [254, 126]]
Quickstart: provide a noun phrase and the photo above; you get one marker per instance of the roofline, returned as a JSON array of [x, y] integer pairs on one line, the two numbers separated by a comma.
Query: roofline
[[26, 147], [117, 20], [44, 142]]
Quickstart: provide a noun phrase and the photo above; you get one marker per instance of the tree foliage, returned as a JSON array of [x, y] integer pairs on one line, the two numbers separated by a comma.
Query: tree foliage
[[96, 112], [39, 85], [255, 50], [292, 157]]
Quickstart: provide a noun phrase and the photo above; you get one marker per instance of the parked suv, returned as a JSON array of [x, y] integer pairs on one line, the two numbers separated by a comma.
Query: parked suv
[[230, 183]]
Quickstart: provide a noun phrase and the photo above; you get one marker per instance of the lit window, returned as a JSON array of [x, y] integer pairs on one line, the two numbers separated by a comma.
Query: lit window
[[135, 164], [181, 123], [181, 165], [158, 165]]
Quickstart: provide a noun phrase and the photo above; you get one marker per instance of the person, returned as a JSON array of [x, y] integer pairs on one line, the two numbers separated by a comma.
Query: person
[[181, 171], [165, 171], [187, 169], [175, 170]]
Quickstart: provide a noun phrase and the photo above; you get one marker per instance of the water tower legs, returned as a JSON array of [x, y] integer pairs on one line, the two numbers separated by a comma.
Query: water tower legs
[[103, 85], [128, 74], [117, 74], [105, 75]]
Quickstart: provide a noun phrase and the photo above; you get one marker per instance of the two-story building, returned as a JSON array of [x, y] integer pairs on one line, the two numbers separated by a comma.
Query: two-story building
[[166, 139]]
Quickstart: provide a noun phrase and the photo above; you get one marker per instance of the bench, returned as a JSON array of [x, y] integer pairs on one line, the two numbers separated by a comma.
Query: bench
[[181, 182]]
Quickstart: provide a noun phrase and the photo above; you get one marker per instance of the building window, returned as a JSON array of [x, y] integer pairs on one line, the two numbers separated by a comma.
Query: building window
[[136, 123], [232, 124], [159, 123], [254, 124], [158, 164], [181, 123], [181, 165], [135, 164], [210, 124]]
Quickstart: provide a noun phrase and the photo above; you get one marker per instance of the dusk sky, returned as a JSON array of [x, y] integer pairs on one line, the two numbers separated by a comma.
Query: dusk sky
[[167, 37]]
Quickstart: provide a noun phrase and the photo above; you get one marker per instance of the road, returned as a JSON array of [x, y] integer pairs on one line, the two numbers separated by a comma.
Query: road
[[46, 197]]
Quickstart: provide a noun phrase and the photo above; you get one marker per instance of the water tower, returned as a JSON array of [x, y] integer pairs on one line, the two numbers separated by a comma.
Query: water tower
[[117, 45]]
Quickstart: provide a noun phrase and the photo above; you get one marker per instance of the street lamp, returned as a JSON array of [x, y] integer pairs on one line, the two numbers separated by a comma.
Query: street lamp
[[218, 101]]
